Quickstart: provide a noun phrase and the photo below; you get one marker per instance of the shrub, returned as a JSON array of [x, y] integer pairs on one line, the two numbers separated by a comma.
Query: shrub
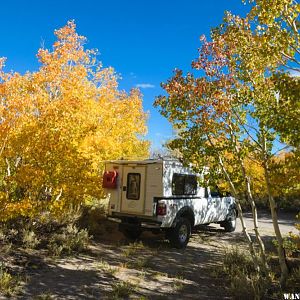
[[9, 284], [291, 243], [12, 231], [47, 222], [296, 237], [59, 234], [122, 290], [106, 267], [70, 240], [245, 281], [30, 240], [133, 248], [94, 217], [5, 244], [293, 282]]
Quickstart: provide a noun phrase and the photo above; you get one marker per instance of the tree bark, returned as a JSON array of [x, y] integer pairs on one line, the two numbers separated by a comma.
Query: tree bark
[[240, 214], [273, 208], [255, 220], [252, 203]]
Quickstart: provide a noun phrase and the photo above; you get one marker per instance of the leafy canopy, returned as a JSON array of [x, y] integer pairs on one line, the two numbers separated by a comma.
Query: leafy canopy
[[58, 125]]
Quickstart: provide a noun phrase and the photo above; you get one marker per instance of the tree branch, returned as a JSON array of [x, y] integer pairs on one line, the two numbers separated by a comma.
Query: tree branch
[[8, 167], [292, 68], [291, 58], [243, 126]]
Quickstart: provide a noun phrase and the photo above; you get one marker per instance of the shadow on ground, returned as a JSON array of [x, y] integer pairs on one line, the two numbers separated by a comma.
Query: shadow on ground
[[153, 268]]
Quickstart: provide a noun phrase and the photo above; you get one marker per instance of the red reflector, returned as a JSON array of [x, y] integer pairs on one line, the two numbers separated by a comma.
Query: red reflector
[[161, 209]]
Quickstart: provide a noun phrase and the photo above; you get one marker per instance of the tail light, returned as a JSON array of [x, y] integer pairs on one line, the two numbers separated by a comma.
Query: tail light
[[161, 209]]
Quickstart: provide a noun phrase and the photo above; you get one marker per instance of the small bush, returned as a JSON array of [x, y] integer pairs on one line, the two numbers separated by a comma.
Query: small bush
[[141, 263], [32, 232], [295, 237], [30, 240], [291, 243], [234, 260], [3, 237], [9, 284], [94, 217], [178, 283], [57, 233], [5, 244], [69, 241], [6, 248], [133, 248], [291, 246], [122, 290], [47, 223], [11, 232], [293, 282], [245, 281], [251, 286], [106, 267]]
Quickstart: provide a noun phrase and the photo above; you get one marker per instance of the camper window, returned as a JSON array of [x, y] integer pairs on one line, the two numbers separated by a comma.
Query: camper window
[[190, 187], [133, 186], [184, 184]]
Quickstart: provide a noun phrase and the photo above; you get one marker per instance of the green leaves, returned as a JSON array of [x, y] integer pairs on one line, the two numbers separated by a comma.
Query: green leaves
[[247, 97]]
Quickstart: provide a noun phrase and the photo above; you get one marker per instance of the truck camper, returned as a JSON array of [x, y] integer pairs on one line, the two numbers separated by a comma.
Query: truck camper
[[163, 195]]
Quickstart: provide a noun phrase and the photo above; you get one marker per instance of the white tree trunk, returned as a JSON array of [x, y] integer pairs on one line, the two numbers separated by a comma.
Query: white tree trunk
[[255, 220], [273, 208], [240, 214], [252, 202]]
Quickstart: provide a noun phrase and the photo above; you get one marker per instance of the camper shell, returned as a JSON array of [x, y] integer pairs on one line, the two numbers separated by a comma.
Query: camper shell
[[159, 194]]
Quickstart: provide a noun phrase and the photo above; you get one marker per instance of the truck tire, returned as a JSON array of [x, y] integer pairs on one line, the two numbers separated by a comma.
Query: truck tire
[[179, 235], [230, 223]]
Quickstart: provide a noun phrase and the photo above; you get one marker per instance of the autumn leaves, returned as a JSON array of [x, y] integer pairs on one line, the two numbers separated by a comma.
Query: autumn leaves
[[243, 105], [59, 124]]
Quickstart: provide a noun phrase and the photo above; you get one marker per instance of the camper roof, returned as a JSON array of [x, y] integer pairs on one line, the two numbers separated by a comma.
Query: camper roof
[[145, 161]]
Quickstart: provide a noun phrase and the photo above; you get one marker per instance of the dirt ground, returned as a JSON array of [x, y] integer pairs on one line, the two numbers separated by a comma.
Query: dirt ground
[[113, 268]]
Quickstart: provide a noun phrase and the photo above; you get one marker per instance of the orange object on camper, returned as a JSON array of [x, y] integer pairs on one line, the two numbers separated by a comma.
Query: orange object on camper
[[110, 179]]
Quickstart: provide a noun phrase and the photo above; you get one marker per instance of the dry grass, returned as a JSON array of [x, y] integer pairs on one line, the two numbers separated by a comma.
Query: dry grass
[[9, 284]]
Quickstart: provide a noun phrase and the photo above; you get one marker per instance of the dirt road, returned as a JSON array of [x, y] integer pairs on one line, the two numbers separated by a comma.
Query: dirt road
[[113, 268], [286, 223]]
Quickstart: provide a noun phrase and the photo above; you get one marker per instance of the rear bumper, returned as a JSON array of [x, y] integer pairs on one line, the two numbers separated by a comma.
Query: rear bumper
[[144, 222]]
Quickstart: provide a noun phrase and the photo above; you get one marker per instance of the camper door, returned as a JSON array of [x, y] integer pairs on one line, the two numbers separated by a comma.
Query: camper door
[[133, 189]]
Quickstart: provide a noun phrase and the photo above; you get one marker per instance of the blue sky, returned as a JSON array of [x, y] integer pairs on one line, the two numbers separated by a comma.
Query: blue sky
[[143, 40]]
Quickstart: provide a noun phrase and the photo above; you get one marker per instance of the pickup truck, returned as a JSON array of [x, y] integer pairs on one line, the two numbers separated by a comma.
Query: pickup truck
[[163, 195]]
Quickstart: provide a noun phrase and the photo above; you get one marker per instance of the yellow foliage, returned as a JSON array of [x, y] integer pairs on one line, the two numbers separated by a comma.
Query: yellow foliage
[[296, 236], [255, 171], [285, 174], [59, 124]]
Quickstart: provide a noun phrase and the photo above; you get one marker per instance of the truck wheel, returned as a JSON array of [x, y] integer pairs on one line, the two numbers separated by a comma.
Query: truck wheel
[[179, 236], [230, 223]]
